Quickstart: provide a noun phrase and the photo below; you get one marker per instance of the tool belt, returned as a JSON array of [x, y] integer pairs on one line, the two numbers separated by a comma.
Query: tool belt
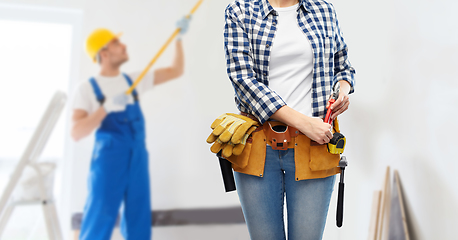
[[312, 160], [280, 136]]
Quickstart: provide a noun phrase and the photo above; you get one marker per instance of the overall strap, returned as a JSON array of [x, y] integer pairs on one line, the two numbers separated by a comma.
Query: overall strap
[[129, 81], [97, 91]]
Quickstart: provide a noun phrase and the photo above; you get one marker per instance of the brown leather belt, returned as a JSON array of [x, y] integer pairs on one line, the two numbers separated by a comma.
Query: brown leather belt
[[249, 115]]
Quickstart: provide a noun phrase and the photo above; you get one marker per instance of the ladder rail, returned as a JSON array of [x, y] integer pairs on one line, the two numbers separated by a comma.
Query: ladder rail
[[35, 146]]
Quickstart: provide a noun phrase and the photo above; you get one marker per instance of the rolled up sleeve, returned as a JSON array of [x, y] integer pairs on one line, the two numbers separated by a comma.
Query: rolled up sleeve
[[343, 70], [253, 95]]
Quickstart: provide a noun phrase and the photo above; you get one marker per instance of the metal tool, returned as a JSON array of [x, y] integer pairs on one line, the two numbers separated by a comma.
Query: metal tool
[[337, 144], [340, 198], [226, 172]]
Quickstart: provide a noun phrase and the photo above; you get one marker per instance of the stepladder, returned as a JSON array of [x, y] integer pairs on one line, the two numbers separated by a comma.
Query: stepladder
[[31, 182]]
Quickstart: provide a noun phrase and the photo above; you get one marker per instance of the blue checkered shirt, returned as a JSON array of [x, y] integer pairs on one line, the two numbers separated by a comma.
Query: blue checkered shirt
[[249, 33]]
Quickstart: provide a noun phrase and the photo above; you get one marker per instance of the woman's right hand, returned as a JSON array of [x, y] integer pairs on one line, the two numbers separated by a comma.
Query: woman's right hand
[[312, 127]]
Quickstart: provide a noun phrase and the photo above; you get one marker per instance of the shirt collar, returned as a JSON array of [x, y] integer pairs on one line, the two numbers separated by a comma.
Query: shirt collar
[[305, 4], [266, 8]]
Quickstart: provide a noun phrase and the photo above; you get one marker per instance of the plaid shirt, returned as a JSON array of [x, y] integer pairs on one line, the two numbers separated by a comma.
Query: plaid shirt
[[249, 33]]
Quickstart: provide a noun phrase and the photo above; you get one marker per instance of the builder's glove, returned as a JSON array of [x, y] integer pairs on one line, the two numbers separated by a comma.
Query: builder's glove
[[238, 149], [230, 132], [117, 103], [183, 25]]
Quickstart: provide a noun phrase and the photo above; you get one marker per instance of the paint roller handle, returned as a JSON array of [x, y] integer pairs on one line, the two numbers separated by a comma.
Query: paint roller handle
[[226, 171], [194, 9], [161, 50]]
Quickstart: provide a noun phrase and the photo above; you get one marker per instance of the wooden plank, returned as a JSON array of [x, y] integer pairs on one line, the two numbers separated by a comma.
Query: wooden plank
[[386, 219], [401, 201], [398, 225], [384, 208], [374, 215]]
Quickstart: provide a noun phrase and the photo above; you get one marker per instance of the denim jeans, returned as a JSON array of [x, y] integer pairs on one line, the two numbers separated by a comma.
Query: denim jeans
[[262, 199]]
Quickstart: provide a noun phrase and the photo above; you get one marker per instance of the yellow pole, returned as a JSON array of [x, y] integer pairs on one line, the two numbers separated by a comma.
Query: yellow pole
[[175, 33]]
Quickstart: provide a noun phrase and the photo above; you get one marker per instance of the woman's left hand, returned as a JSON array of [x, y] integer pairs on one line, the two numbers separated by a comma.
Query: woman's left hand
[[342, 103]]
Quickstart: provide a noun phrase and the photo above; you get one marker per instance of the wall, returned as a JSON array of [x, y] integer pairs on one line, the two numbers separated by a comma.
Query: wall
[[400, 115], [403, 111]]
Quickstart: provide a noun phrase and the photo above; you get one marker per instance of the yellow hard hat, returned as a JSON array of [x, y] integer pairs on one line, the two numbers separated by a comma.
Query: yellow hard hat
[[98, 39]]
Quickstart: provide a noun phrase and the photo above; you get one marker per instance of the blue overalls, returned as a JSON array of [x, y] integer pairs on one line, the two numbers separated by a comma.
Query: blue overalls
[[118, 174]]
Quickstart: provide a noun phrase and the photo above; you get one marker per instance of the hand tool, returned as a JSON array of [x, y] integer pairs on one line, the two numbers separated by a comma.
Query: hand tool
[[226, 171], [340, 198], [337, 144]]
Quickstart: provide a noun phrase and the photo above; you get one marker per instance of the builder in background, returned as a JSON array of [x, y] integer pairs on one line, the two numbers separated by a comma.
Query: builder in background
[[119, 166]]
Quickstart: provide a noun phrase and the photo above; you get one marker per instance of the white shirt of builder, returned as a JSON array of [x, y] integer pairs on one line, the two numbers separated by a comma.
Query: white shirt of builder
[[291, 62], [85, 98]]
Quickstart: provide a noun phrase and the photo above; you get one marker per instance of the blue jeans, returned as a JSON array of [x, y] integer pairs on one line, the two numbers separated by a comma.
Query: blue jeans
[[262, 199]]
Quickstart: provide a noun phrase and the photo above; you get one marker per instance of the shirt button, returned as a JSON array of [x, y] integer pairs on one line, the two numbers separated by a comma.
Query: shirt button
[[275, 23], [265, 74], [267, 46]]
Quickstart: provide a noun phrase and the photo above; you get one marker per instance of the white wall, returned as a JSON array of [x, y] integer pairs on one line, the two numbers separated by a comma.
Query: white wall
[[401, 114], [186, 176], [403, 111]]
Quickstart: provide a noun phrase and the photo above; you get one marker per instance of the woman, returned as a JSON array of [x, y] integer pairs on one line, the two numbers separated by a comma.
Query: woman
[[284, 57]]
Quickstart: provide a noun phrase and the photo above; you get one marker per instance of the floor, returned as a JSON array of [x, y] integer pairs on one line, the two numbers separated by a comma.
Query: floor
[[28, 224], [205, 232]]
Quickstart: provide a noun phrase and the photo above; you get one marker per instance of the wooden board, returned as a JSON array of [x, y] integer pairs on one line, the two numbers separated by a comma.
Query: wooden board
[[374, 215], [384, 208], [398, 225]]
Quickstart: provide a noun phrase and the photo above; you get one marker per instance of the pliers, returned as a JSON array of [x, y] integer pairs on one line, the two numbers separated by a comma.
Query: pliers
[[333, 98]]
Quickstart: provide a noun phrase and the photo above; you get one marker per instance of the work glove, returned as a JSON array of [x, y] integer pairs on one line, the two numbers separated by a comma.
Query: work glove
[[238, 149], [183, 25], [230, 131], [218, 146], [117, 103]]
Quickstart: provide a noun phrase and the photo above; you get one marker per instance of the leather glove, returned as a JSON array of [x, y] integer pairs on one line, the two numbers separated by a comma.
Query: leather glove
[[232, 127], [230, 131], [238, 149], [117, 103]]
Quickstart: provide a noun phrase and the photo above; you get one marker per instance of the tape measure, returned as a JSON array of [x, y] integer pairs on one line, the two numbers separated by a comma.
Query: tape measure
[[337, 144]]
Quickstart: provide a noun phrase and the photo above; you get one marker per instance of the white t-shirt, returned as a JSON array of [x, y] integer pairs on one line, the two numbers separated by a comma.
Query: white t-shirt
[[291, 62], [85, 98]]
